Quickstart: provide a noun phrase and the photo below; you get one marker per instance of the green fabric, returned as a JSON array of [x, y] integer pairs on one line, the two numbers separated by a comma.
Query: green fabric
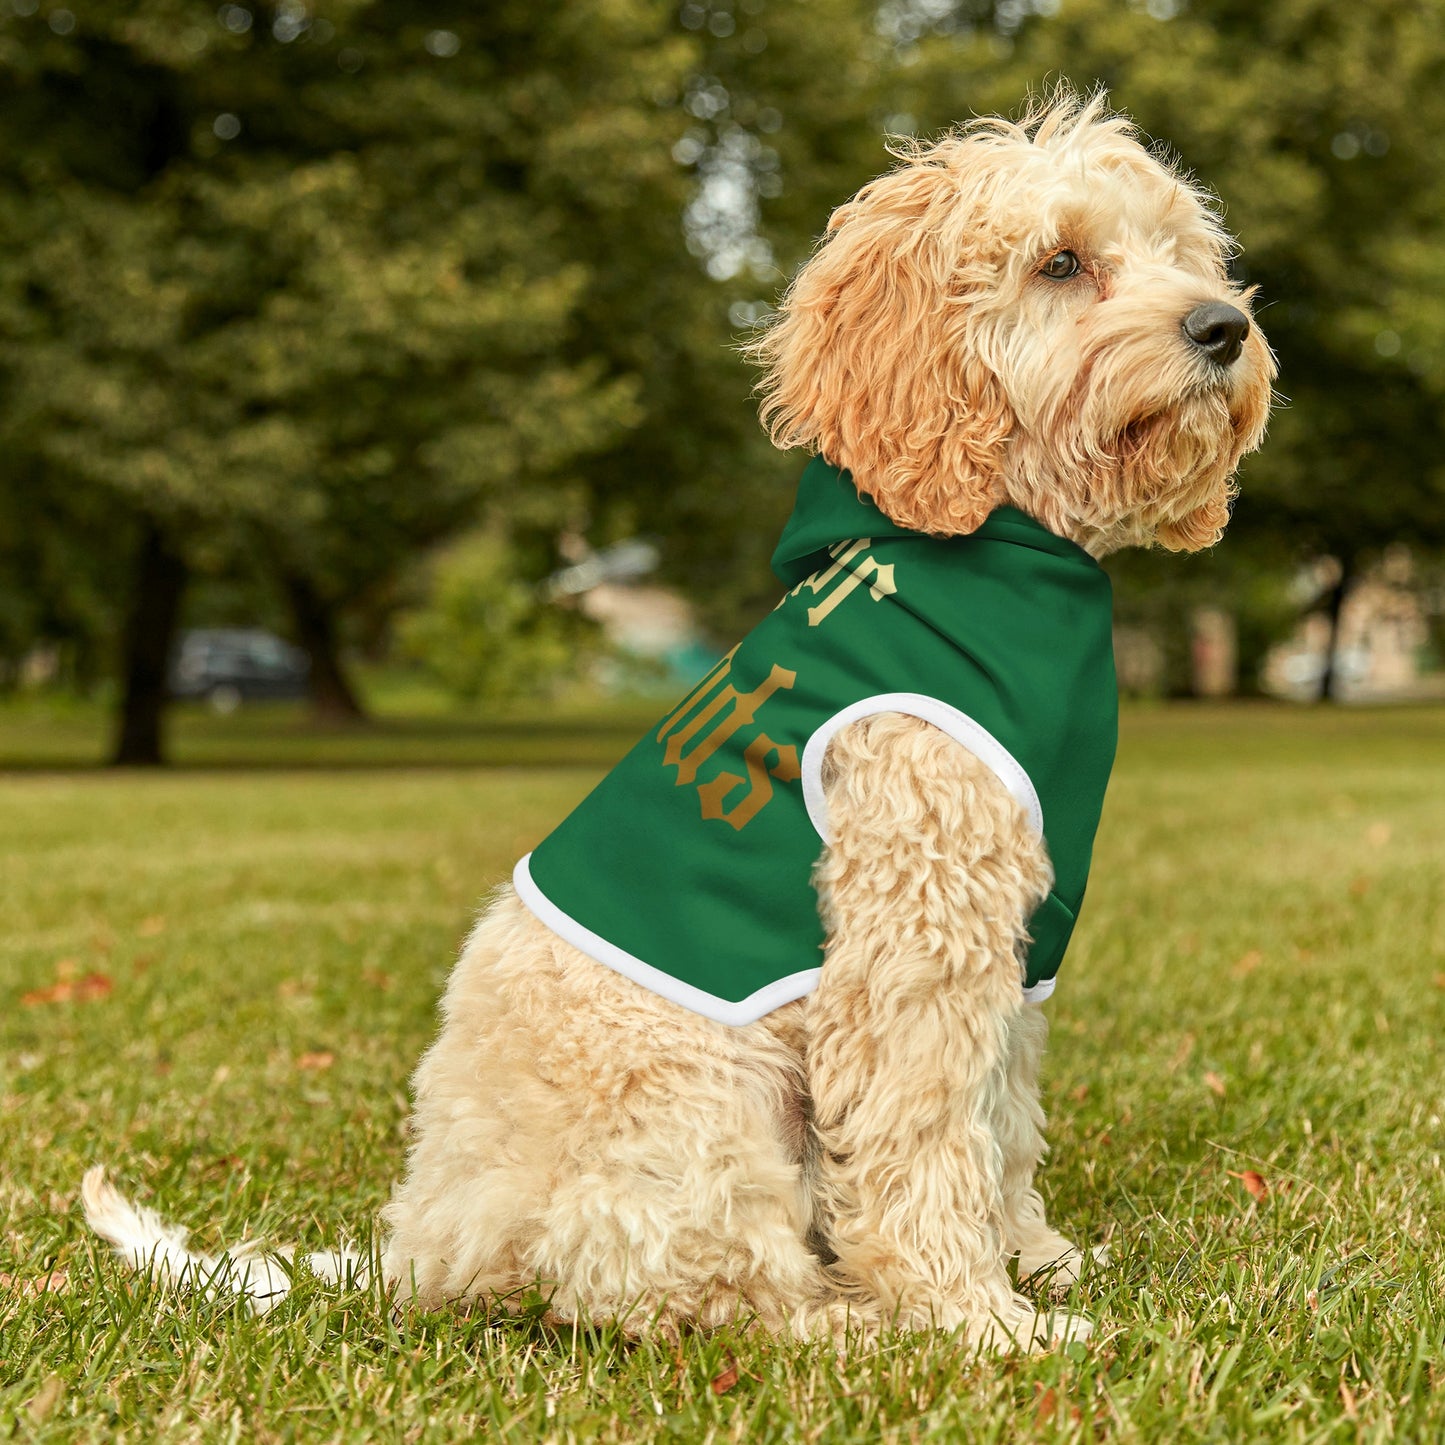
[[694, 854]]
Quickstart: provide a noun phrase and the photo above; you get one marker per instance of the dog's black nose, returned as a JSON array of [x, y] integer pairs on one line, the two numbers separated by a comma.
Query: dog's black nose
[[1218, 331]]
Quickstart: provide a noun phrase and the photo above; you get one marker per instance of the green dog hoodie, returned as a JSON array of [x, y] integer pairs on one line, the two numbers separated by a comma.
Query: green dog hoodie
[[688, 868]]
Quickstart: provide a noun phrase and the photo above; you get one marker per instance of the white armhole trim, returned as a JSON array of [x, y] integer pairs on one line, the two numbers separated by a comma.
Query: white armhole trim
[[947, 719], [958, 725], [699, 1001]]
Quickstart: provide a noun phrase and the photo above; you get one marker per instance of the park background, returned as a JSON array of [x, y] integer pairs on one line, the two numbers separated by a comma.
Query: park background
[[408, 333]]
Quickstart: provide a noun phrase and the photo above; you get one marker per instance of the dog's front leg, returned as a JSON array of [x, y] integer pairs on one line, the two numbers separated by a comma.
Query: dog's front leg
[[926, 888], [1042, 1251]]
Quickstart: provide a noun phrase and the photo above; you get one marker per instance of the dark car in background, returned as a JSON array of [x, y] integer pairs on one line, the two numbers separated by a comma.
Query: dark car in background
[[227, 666]]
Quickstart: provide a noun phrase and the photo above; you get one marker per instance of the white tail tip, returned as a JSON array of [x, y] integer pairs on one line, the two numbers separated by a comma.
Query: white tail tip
[[147, 1243]]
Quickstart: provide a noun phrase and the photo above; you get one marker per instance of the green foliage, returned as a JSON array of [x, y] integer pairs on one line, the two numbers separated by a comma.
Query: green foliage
[[321, 298], [487, 634], [1263, 914]]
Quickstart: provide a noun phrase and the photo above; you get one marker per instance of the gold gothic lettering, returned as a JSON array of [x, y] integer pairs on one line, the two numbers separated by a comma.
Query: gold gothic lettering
[[714, 720], [845, 576], [760, 790]]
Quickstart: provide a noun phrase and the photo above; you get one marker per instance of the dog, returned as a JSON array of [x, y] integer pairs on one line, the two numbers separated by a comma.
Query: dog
[[698, 1065]]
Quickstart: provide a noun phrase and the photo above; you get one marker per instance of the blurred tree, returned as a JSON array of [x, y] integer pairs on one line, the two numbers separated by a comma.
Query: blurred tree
[[487, 634], [301, 282]]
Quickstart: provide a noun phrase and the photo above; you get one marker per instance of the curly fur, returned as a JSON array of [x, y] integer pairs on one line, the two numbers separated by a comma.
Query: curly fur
[[866, 1156]]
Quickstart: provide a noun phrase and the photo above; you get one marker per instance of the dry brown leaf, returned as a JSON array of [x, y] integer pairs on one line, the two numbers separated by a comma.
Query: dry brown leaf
[[1248, 963], [1440, 980], [56, 1282], [319, 1059], [1359, 886], [1214, 1083], [1080, 1094], [82, 990], [1254, 1183], [724, 1382], [56, 993], [377, 978], [151, 927], [1046, 1408]]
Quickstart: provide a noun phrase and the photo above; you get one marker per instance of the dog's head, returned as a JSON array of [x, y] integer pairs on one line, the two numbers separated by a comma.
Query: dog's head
[[1035, 313]]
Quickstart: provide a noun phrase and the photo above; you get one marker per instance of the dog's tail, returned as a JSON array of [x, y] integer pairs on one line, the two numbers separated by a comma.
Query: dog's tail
[[147, 1243]]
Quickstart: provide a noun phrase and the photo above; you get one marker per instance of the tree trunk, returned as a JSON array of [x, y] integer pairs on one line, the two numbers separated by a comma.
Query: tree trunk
[[150, 631], [333, 699], [1329, 678]]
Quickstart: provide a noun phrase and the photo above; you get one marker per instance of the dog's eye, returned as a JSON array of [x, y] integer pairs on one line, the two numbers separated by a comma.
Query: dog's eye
[[1060, 266]]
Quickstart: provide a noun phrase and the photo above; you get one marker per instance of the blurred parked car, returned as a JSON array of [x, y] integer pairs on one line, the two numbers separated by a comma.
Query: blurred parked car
[[230, 665]]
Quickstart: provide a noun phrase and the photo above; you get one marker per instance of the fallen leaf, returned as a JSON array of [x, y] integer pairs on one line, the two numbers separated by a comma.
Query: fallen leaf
[[1440, 980], [320, 1059], [151, 927], [724, 1382], [1359, 886], [56, 993], [1248, 963], [82, 990], [1046, 1408], [1254, 1182], [377, 978], [1214, 1083], [56, 1282], [1080, 1094]]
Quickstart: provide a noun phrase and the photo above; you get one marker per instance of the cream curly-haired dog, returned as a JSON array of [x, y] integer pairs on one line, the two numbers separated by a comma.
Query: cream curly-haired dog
[[1032, 316]]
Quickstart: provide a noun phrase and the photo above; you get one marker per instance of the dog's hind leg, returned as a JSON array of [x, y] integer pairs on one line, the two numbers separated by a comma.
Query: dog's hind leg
[[926, 887], [578, 1136]]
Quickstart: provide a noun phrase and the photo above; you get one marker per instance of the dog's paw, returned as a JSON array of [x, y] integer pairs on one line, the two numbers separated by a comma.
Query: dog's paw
[[1025, 1327], [1058, 1269]]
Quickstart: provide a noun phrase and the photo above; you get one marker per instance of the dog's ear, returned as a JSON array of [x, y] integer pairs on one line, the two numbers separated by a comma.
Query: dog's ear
[[874, 358]]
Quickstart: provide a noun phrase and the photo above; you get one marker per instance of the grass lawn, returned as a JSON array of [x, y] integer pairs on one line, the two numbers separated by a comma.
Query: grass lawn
[[216, 980]]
